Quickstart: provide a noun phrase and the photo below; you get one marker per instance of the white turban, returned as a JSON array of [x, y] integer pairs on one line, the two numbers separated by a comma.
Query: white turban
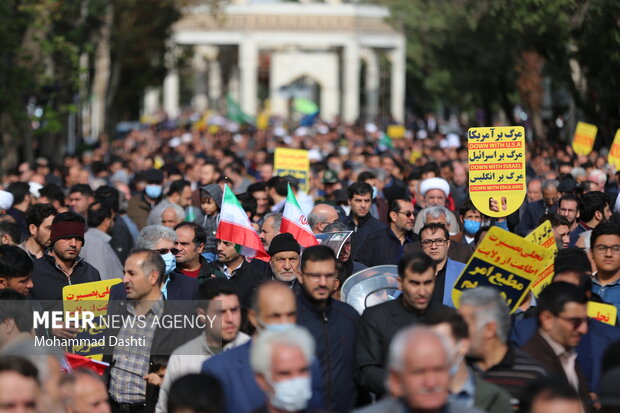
[[6, 200], [435, 183]]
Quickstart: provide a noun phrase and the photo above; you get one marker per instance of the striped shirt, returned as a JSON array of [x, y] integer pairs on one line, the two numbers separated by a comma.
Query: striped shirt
[[515, 372]]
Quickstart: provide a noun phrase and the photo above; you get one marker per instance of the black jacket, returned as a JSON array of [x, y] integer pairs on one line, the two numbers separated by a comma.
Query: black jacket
[[180, 287], [121, 241], [381, 248], [165, 341], [380, 323], [48, 280], [368, 225], [334, 330], [245, 279]]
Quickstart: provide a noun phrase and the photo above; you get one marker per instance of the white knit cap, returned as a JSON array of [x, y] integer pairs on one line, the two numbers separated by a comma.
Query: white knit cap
[[6, 200], [435, 183]]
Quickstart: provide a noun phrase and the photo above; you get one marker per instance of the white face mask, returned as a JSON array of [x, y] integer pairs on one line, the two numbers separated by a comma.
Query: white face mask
[[456, 359], [291, 395]]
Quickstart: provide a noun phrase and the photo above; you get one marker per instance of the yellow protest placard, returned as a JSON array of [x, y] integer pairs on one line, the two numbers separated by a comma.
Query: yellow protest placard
[[583, 139], [605, 313], [90, 297], [396, 131], [497, 169], [543, 236], [504, 261], [614, 152], [293, 162]]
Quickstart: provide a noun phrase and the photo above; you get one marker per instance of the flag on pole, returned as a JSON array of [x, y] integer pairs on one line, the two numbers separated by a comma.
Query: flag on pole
[[295, 223], [235, 227], [235, 113]]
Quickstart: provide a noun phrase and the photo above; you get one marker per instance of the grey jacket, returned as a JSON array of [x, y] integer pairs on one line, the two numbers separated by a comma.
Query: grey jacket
[[392, 405]]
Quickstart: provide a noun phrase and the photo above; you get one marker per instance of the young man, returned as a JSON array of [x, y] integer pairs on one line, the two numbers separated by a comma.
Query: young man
[[39, 218], [605, 242], [15, 269], [359, 220]]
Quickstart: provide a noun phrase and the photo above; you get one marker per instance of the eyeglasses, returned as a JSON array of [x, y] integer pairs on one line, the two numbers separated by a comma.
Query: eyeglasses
[[408, 214], [602, 249], [439, 242], [164, 251], [575, 321]]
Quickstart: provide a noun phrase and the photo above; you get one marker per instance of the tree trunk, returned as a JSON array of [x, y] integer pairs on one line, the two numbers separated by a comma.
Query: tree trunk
[[101, 75]]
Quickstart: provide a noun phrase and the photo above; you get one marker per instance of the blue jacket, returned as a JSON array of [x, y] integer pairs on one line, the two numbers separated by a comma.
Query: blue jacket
[[334, 330], [453, 271], [590, 350], [241, 392]]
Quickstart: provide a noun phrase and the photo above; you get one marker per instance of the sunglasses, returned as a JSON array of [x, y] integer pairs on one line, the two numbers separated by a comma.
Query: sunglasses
[[164, 251], [408, 214], [575, 321]]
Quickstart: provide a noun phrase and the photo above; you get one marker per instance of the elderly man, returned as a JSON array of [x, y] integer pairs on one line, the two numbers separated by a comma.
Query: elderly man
[[281, 361], [172, 215], [534, 210], [89, 393], [219, 302], [270, 228], [176, 286], [419, 375], [284, 262], [273, 308], [321, 216], [416, 281]]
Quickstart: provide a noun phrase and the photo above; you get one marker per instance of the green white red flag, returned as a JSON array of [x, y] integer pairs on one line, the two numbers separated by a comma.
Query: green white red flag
[[295, 223], [235, 227]]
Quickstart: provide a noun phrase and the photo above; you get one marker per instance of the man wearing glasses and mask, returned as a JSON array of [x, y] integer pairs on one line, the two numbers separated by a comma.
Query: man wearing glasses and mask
[[176, 286], [435, 240], [386, 245]]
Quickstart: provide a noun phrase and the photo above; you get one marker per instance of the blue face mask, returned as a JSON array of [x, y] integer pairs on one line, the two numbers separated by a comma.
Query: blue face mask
[[375, 192], [273, 327], [291, 395], [153, 191], [471, 227], [171, 262]]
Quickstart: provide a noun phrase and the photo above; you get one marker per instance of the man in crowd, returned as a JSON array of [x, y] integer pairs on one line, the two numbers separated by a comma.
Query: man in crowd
[[605, 242], [332, 323], [435, 241], [172, 216], [179, 193], [568, 207], [386, 246], [15, 269], [270, 228], [284, 261], [416, 281], [61, 264], [498, 362], [359, 220], [471, 219], [230, 264], [97, 250], [209, 174], [89, 393], [418, 381], [562, 318], [15, 318], [141, 204], [551, 396], [80, 197], [19, 385], [22, 199], [259, 192], [534, 210], [273, 308], [593, 210], [217, 302], [534, 190], [144, 274], [190, 245], [321, 216], [52, 194], [281, 361], [465, 386], [560, 226], [10, 233], [39, 218]]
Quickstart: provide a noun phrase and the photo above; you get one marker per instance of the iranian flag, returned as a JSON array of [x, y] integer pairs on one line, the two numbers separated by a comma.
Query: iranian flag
[[235, 227], [295, 223]]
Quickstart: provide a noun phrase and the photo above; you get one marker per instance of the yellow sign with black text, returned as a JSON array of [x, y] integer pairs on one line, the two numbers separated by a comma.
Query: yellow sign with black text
[[293, 162]]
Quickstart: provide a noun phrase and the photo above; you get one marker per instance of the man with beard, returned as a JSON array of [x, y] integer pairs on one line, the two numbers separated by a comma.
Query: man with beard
[[39, 218], [359, 220], [284, 262], [97, 250], [568, 207], [386, 246], [593, 210]]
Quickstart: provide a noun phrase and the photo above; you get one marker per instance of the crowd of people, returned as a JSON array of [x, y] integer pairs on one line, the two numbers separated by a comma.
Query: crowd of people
[[145, 208]]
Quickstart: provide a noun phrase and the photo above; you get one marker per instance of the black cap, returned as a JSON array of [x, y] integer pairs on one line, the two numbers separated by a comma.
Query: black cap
[[568, 184], [283, 242]]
